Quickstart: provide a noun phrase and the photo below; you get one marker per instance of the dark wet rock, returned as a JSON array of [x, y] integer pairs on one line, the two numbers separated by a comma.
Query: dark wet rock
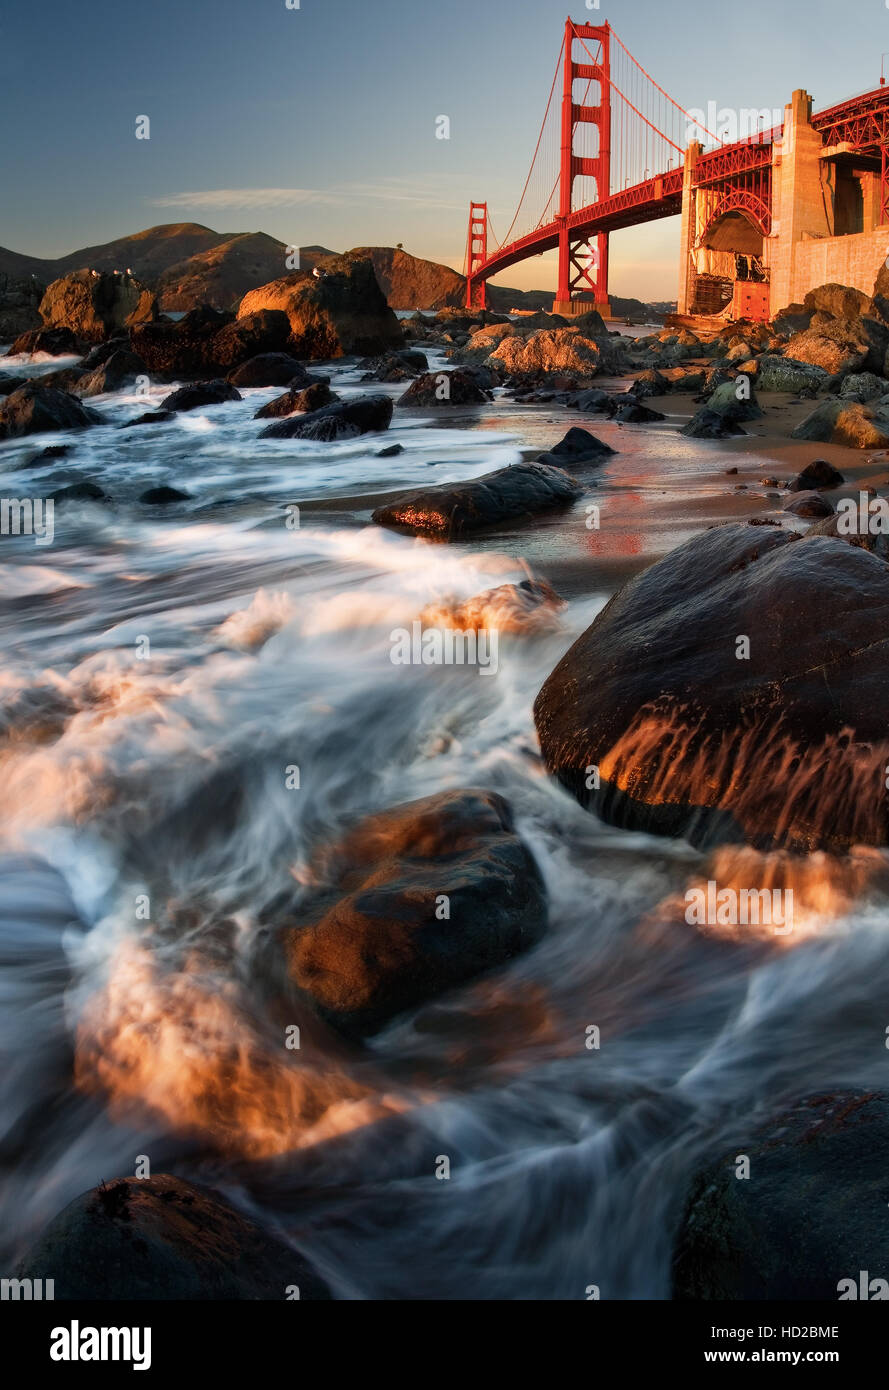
[[578, 446], [810, 1217], [262, 334], [151, 417], [55, 342], [794, 319], [37, 409], [505, 495], [343, 311], [114, 374], [709, 424], [311, 397], [342, 420], [162, 496], [391, 452], [203, 393], [396, 366], [379, 941], [98, 355], [164, 1238], [635, 414], [864, 537], [183, 349], [269, 369], [20, 297], [735, 400], [655, 696], [809, 504], [9, 383], [64, 379], [845, 422], [81, 492], [53, 451], [819, 473], [593, 400], [456, 387]]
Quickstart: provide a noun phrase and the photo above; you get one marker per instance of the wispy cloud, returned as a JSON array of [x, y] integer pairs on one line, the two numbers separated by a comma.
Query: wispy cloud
[[391, 191], [245, 198]]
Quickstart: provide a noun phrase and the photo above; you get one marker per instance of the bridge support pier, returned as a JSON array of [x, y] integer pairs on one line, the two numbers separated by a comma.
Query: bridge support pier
[[582, 270]]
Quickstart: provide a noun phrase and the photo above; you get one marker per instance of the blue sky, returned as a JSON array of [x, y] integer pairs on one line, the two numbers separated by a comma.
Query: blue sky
[[317, 125]]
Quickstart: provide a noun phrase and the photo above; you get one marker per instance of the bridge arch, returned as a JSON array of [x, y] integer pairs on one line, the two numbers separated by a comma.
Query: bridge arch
[[738, 206]]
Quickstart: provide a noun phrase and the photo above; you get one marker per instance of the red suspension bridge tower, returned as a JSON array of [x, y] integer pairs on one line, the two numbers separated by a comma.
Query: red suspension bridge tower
[[580, 270]]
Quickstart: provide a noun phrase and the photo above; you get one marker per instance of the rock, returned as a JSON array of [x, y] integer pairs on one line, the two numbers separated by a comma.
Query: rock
[[81, 492], [526, 608], [118, 371], [342, 420], [162, 496], [794, 319], [151, 417], [55, 342], [252, 336], [390, 452], [839, 301], [448, 511], [811, 1216], [809, 504], [786, 375], [820, 473], [269, 369], [373, 946], [396, 366], [93, 305], [202, 394], [183, 349], [578, 446], [553, 351], [220, 274], [594, 400], [708, 424], [635, 414], [654, 696], [457, 387], [98, 355], [163, 1238], [735, 402], [20, 297], [836, 346], [37, 409], [845, 422], [343, 312], [311, 397], [862, 387]]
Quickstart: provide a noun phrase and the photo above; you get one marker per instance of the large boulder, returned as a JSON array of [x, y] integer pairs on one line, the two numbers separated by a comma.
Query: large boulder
[[845, 422], [183, 349], [458, 387], [250, 336], [559, 351], [381, 939], [809, 504], [505, 495], [841, 345], [35, 409], [840, 301], [95, 305], [664, 719], [809, 1219], [164, 1238], [342, 312], [341, 420]]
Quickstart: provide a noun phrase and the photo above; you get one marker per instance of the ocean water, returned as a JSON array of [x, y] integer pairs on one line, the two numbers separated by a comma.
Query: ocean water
[[163, 668]]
